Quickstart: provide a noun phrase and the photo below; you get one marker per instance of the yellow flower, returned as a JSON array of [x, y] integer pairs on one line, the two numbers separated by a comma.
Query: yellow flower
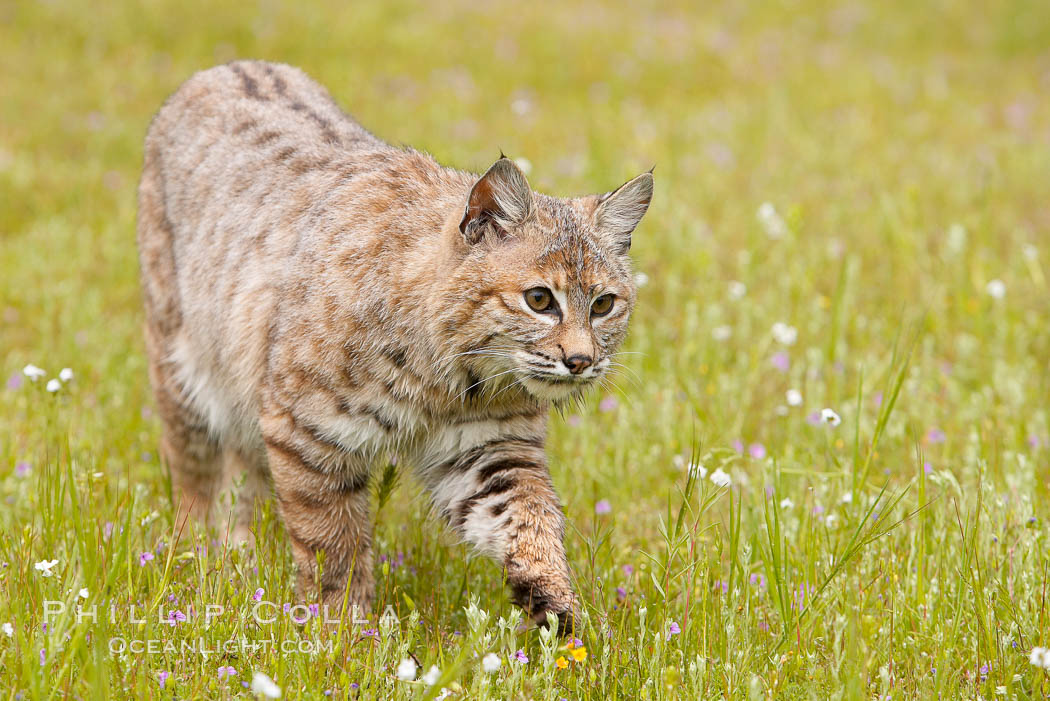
[[561, 662], [579, 654]]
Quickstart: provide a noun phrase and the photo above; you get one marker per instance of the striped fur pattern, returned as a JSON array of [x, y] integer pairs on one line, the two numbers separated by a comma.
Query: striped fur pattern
[[318, 300]]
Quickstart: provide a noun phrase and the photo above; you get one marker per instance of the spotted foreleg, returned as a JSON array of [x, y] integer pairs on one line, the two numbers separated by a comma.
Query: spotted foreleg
[[499, 497], [324, 500]]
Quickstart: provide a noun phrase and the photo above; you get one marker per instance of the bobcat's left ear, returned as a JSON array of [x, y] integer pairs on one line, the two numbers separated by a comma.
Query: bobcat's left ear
[[618, 212], [499, 201]]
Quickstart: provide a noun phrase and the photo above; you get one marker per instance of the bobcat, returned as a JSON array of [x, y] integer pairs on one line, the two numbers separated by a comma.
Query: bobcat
[[318, 300]]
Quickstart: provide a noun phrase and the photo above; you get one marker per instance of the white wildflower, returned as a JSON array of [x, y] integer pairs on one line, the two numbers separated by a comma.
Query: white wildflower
[[771, 221], [956, 238], [786, 503], [847, 498], [491, 662], [53, 385], [641, 279], [406, 671], [794, 397], [44, 567], [83, 593], [1040, 657], [828, 416], [831, 520], [737, 289], [262, 684], [524, 164], [1030, 252], [697, 470], [721, 333], [442, 695], [996, 289], [8, 629], [432, 675], [33, 372], [721, 478], [785, 334], [65, 374]]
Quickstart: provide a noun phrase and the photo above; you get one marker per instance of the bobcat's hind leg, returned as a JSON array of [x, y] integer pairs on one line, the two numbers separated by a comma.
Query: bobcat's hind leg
[[192, 454], [244, 487]]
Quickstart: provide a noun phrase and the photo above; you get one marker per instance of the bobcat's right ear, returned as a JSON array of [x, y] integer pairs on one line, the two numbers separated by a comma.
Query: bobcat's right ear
[[499, 201]]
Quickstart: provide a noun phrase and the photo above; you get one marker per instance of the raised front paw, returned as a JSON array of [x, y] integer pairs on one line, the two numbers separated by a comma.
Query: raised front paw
[[540, 596]]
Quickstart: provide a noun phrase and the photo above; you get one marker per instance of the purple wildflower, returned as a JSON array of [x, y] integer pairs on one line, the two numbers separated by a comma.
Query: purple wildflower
[[43, 656], [738, 446], [621, 593], [520, 656], [145, 557], [15, 381], [608, 404], [574, 420], [757, 451], [813, 419], [258, 595], [927, 468], [21, 468], [227, 671], [175, 617], [628, 570], [673, 629], [162, 677], [781, 361], [370, 633], [935, 435], [603, 507]]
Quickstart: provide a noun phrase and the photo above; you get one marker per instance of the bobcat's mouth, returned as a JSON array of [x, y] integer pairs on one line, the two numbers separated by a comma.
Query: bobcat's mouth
[[553, 387]]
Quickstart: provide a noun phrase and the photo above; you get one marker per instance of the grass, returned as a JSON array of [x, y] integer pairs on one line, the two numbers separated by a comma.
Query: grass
[[902, 553]]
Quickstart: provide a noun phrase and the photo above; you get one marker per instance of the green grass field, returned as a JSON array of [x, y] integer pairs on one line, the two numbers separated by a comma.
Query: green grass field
[[902, 258]]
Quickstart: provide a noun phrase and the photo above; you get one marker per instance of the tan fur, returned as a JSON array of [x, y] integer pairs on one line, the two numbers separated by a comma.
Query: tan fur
[[317, 300]]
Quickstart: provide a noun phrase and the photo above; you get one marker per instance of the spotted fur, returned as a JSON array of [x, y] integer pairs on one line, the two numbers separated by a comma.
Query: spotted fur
[[317, 300]]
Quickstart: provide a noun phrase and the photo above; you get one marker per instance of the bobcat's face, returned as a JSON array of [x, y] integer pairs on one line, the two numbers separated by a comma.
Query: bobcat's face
[[549, 284], [563, 315]]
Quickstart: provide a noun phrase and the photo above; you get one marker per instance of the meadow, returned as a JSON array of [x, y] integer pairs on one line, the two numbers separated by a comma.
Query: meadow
[[825, 473]]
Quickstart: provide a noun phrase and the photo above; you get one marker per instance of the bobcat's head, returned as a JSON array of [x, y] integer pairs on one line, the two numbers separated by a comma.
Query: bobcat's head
[[544, 285]]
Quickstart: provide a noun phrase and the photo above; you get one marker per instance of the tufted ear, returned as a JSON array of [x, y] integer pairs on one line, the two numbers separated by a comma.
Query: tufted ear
[[499, 201], [619, 211]]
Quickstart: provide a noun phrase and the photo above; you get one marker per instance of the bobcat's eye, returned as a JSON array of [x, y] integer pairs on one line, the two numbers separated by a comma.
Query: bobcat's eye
[[603, 305], [540, 299]]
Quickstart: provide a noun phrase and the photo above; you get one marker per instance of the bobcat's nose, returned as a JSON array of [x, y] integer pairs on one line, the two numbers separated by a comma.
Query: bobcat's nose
[[577, 363]]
